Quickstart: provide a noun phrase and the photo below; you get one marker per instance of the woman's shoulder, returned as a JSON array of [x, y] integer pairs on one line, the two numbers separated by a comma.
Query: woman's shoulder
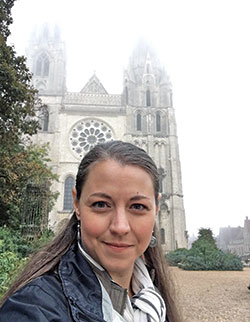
[[40, 300], [48, 283]]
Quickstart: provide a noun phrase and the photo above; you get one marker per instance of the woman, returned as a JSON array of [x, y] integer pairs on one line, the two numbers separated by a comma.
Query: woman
[[106, 265]]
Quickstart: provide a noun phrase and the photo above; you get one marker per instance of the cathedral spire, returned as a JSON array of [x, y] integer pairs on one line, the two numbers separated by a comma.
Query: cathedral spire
[[146, 82], [46, 58]]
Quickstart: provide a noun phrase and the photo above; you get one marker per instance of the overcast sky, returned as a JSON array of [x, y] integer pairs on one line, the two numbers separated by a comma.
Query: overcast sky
[[205, 47]]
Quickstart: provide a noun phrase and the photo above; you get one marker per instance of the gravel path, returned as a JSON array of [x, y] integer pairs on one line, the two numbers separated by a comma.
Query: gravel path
[[213, 296]]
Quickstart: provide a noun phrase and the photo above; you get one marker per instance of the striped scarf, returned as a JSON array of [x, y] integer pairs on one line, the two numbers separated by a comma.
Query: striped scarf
[[146, 305]]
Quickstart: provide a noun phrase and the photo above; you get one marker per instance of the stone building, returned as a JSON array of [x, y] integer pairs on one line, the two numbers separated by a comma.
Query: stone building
[[142, 114], [236, 239]]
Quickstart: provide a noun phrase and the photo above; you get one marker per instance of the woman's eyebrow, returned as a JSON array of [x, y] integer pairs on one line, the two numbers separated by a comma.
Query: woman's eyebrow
[[101, 195], [104, 195], [138, 197]]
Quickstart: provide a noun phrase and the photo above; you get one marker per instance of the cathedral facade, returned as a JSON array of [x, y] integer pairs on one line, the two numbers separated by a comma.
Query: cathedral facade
[[142, 114]]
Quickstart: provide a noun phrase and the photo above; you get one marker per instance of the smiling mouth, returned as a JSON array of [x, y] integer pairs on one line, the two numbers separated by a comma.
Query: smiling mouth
[[118, 246]]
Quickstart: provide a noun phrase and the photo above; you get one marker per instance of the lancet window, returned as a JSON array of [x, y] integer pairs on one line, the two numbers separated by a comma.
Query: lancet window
[[42, 65], [138, 121], [148, 98], [68, 198], [158, 122]]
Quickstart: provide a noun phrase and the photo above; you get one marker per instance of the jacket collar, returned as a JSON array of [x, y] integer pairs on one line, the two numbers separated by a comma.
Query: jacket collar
[[81, 277], [80, 286], [117, 294]]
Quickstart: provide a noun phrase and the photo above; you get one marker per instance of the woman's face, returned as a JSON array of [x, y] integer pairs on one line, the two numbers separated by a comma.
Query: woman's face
[[117, 211]]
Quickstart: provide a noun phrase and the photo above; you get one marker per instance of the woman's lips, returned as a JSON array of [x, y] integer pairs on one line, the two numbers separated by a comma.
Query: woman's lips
[[118, 246]]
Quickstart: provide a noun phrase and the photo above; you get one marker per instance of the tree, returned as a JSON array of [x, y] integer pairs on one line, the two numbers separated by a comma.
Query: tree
[[205, 244], [24, 165], [19, 102], [5, 16], [205, 234], [21, 162]]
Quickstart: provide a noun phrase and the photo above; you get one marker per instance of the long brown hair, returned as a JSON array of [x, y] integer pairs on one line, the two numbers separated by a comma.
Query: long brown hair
[[48, 257]]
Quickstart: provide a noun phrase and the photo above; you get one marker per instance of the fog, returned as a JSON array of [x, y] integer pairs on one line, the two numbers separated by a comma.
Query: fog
[[205, 48]]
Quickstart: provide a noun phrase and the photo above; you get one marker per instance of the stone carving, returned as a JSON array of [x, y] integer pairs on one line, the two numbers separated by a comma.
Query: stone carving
[[92, 99]]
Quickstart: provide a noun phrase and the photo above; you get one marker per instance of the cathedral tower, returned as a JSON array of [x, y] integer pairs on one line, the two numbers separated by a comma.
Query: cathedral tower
[[151, 125], [47, 60]]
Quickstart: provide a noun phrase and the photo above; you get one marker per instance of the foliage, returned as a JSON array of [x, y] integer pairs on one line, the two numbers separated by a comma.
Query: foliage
[[13, 241], [10, 263], [22, 165], [213, 260], [5, 16], [14, 253], [205, 236], [19, 102], [42, 240], [204, 255], [177, 256]]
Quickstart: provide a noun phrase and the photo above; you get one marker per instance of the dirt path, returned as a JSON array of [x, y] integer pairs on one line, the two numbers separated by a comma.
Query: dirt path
[[213, 296]]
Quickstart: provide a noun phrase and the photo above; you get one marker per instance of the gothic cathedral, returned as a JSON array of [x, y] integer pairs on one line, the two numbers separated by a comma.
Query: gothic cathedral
[[143, 115]]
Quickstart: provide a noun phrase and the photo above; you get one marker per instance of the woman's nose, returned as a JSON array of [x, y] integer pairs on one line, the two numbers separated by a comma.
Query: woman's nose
[[120, 223]]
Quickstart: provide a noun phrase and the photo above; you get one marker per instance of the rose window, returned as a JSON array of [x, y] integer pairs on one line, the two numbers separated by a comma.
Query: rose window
[[86, 134]]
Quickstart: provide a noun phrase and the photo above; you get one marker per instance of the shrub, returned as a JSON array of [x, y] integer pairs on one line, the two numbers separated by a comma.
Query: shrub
[[211, 260], [232, 262], [175, 257], [204, 255], [194, 263], [9, 265], [13, 241], [14, 252]]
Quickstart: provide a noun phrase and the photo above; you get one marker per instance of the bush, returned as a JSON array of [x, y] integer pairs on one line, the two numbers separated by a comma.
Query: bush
[[14, 253], [232, 262], [13, 241], [204, 255], [217, 260], [175, 257], [193, 263], [10, 263]]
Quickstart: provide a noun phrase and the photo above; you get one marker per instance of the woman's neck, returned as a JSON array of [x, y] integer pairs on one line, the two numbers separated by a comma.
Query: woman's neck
[[124, 280]]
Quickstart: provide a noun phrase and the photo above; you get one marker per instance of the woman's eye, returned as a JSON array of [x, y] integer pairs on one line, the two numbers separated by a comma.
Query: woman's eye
[[138, 206], [99, 204]]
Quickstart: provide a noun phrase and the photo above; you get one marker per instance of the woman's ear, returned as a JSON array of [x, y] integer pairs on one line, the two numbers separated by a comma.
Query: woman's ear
[[75, 203]]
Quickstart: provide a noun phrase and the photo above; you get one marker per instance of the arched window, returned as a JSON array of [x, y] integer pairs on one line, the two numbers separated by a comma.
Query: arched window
[[148, 98], [42, 65], [46, 67], [68, 198], [46, 121], [138, 122], [158, 122], [162, 233]]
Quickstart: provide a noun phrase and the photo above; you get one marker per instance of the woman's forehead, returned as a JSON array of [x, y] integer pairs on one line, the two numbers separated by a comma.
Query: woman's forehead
[[111, 168]]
